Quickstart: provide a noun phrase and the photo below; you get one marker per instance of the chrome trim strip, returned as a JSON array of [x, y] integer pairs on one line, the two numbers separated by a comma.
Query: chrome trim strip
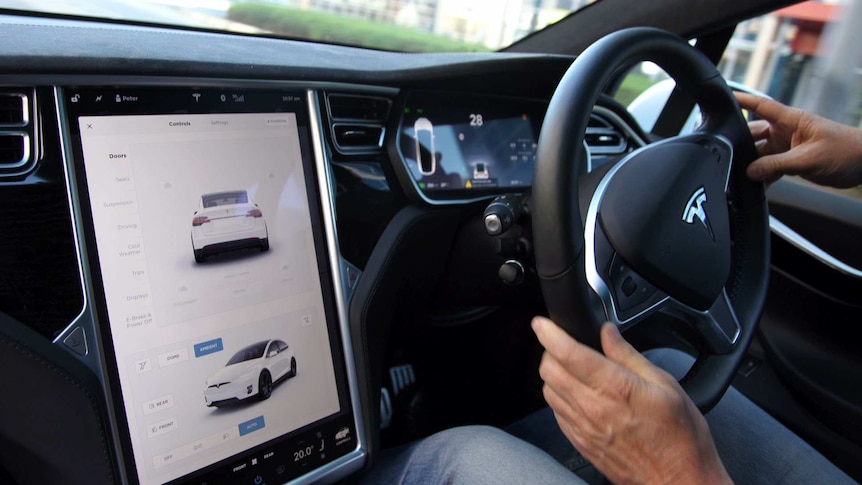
[[86, 318], [76, 216], [589, 157], [354, 460], [799, 242]]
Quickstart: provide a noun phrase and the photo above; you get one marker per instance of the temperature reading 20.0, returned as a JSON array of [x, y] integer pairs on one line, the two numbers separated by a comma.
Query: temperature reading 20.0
[[303, 453], [476, 119]]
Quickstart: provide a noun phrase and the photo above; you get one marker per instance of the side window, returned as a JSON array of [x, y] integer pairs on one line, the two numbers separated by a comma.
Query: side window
[[807, 55]]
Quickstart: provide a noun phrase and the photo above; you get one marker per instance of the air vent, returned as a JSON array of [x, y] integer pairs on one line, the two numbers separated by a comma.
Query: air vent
[[603, 138], [14, 149], [16, 133], [13, 109], [358, 108], [349, 136], [358, 122]]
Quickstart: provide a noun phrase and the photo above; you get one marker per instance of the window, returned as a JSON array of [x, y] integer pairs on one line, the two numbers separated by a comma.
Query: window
[[807, 55]]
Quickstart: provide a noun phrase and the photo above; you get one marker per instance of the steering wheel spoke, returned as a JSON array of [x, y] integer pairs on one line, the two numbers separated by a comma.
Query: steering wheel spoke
[[718, 327]]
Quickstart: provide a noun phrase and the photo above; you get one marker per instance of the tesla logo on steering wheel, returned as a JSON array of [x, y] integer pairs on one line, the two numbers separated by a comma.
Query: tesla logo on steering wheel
[[694, 208]]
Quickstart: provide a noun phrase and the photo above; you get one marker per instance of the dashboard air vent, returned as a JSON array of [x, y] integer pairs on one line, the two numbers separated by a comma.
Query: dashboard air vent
[[13, 109], [603, 138], [13, 149], [357, 122], [358, 108], [17, 133]]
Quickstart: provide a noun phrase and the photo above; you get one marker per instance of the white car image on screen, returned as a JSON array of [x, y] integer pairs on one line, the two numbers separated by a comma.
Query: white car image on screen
[[227, 221], [252, 372]]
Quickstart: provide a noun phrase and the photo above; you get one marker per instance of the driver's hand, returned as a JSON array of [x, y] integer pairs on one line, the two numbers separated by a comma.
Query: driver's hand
[[795, 142], [631, 419]]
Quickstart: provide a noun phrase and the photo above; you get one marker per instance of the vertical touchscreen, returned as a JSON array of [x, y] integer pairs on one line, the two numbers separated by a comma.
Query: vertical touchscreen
[[213, 295]]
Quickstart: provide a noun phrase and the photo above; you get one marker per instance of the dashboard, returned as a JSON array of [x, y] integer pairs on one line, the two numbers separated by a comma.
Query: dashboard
[[203, 240]]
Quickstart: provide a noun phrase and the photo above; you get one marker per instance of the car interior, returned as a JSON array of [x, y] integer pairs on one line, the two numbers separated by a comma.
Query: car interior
[[420, 209]]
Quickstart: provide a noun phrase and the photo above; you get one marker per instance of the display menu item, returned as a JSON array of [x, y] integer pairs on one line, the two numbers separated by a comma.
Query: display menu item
[[213, 296]]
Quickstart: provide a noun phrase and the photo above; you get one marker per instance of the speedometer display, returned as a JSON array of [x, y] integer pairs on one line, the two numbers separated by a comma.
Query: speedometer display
[[461, 146]]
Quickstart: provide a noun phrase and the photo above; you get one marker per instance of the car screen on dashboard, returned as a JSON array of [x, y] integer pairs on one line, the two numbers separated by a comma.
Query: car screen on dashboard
[[457, 144], [214, 283]]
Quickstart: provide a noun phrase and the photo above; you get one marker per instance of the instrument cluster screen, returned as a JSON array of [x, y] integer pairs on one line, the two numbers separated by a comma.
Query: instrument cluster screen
[[458, 144]]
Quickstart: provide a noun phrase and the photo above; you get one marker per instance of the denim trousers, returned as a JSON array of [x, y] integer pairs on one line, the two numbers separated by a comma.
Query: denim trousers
[[754, 447]]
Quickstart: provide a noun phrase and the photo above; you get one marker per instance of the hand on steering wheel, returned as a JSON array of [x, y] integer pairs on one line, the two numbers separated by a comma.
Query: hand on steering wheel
[[631, 419]]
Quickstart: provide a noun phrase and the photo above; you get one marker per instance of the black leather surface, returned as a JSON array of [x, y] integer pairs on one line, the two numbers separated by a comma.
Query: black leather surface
[[52, 425], [39, 280]]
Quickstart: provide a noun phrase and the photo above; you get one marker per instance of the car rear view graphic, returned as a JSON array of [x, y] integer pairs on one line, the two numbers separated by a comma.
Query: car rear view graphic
[[227, 221]]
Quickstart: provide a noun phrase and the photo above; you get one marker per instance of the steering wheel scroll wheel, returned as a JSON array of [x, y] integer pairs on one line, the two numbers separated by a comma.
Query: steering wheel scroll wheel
[[673, 227]]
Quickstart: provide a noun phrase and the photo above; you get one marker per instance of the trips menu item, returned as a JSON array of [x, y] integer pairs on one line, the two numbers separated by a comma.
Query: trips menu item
[[213, 295]]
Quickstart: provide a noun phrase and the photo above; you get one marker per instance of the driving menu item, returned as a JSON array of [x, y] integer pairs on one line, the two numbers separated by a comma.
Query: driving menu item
[[214, 294], [457, 146]]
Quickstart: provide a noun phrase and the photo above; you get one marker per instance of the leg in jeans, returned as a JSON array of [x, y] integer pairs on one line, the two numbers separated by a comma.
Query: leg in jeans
[[472, 455]]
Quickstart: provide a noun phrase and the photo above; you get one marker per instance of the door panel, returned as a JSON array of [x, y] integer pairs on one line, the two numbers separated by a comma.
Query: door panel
[[812, 317]]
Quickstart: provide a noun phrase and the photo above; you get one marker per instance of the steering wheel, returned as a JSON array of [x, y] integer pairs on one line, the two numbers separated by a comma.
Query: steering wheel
[[673, 227]]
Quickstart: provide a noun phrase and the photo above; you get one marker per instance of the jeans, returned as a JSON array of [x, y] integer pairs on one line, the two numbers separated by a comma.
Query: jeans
[[754, 447]]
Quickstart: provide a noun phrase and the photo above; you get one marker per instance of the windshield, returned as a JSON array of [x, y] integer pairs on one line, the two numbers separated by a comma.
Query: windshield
[[225, 198], [254, 351], [397, 25]]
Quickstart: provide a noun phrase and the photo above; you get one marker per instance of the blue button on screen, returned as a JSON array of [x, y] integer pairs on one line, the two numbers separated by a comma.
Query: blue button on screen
[[208, 347], [251, 426]]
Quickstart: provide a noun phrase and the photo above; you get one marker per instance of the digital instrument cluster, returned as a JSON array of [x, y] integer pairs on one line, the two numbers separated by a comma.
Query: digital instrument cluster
[[460, 146]]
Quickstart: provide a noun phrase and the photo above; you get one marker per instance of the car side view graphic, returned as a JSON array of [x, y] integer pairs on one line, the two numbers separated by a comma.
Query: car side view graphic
[[252, 372], [227, 221]]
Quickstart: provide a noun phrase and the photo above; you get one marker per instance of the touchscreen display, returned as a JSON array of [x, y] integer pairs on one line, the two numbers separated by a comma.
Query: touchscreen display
[[462, 143], [214, 298]]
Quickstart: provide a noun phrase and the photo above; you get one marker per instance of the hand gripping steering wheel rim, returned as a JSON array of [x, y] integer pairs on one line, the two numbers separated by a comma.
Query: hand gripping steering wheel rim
[[673, 227]]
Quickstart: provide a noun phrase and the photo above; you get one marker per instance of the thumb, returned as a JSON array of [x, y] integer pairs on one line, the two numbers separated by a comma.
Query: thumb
[[618, 350]]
